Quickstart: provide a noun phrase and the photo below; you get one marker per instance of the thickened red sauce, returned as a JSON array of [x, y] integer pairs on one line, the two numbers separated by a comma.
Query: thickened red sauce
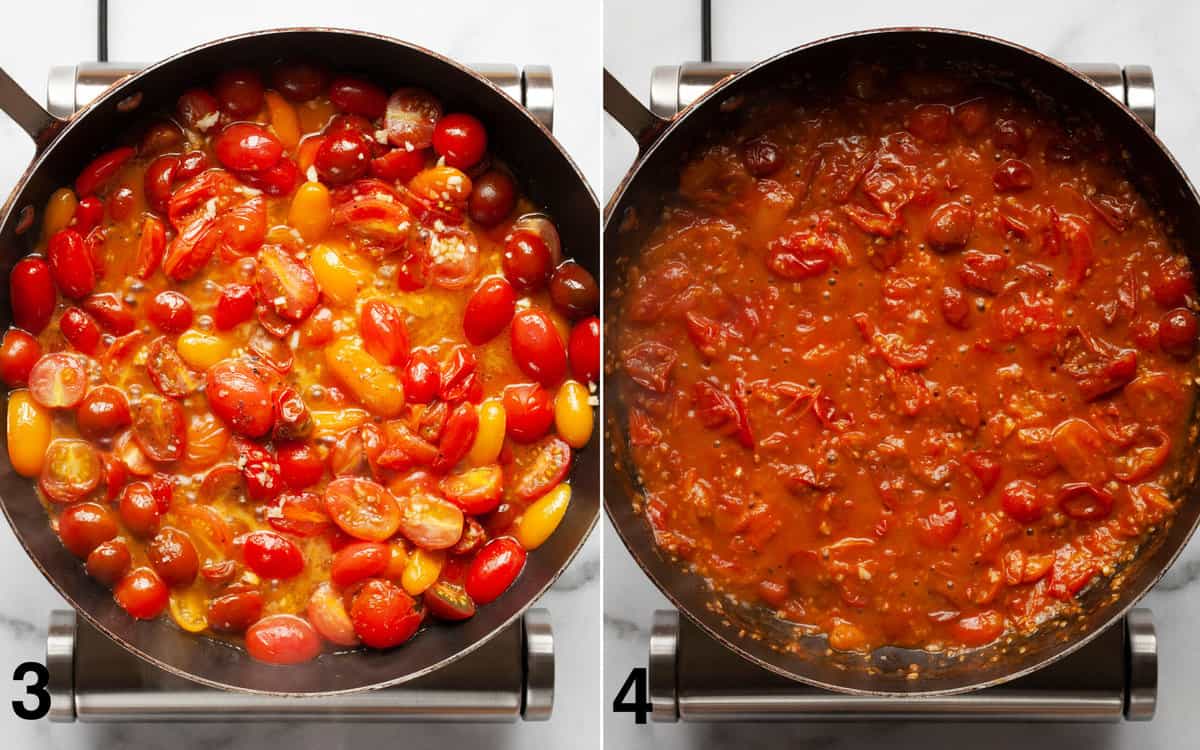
[[910, 362]]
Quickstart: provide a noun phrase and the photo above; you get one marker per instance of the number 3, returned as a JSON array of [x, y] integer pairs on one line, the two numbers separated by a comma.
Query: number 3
[[37, 689]]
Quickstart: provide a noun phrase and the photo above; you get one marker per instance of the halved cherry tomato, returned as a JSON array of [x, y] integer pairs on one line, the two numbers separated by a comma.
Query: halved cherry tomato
[[537, 347], [31, 290], [548, 467], [362, 508], [282, 639], [583, 350], [358, 561], [152, 245], [429, 521], [168, 371], [384, 333], [235, 305], [451, 256], [1084, 501], [159, 428], [489, 310], [449, 601], [85, 526], [272, 555], [142, 593], [327, 613], [71, 264], [411, 117], [477, 490], [101, 169], [384, 615], [460, 139], [301, 514], [238, 393], [19, 352], [286, 284], [234, 609], [58, 380], [529, 411], [494, 569], [398, 165]]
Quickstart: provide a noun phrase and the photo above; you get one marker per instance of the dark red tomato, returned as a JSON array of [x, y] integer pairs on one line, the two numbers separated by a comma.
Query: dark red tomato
[[1022, 501], [260, 472], [489, 310], [476, 490], [449, 601], [159, 179], [955, 308], [280, 179], [170, 311], [236, 608], [282, 639], [343, 156], [422, 377], [88, 214], [930, 122], [299, 81], [549, 467], [529, 411], [527, 262], [1177, 333], [239, 92], [584, 350], [939, 528], [362, 508], [537, 348], [398, 165], [159, 428], [574, 291], [58, 380], [109, 561], [103, 413], [460, 139], [1171, 282], [982, 271], [85, 526], [197, 110], [412, 116], [31, 289], [300, 463], [950, 227], [238, 393], [173, 556], [142, 593], [493, 197], [358, 97], [235, 305], [1084, 501], [384, 615], [384, 332], [120, 203], [101, 170], [111, 313], [140, 510], [358, 561], [272, 555], [972, 116], [1013, 175], [762, 156], [494, 568], [1008, 135], [71, 264], [357, 123], [18, 353], [247, 147], [461, 427]]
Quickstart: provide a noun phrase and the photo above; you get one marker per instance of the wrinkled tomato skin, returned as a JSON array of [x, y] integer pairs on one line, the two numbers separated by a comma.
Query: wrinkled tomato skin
[[494, 569], [384, 615], [240, 396], [235, 305], [422, 377]]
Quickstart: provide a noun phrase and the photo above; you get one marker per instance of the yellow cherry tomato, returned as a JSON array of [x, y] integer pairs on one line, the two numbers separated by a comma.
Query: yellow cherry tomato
[[573, 414], [489, 439], [338, 273], [28, 433], [310, 212], [201, 349], [189, 609], [284, 120], [543, 517], [60, 209], [422, 571], [375, 386]]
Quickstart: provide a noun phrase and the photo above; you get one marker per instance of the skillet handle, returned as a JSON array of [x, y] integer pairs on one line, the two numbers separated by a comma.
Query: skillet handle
[[632, 115], [26, 112]]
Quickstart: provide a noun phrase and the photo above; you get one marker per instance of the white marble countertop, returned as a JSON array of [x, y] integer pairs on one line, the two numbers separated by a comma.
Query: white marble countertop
[[36, 36], [640, 35]]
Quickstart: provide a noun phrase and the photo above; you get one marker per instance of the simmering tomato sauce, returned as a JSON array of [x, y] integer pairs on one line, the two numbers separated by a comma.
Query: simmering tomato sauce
[[907, 360], [293, 363]]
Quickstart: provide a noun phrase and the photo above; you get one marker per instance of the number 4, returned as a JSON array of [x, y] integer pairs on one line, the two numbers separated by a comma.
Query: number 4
[[640, 706]]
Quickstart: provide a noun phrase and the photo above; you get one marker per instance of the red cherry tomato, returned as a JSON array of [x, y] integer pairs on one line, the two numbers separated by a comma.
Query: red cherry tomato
[[140, 510], [174, 557], [461, 427], [235, 305], [72, 470], [527, 260], [448, 601], [282, 639], [362, 508], [272, 555], [239, 92], [450, 255], [461, 139], [247, 147], [460, 381], [398, 165], [142, 593], [1177, 333], [384, 333], [159, 428], [109, 561], [18, 353], [111, 313], [101, 169], [537, 348], [494, 569], [71, 264], [384, 615], [157, 183], [170, 311], [327, 613], [1022, 501], [547, 469], [59, 380], [88, 214], [477, 490], [299, 514], [343, 156], [422, 377], [301, 464], [85, 526], [584, 350], [574, 291], [260, 472], [103, 412], [235, 609], [357, 561], [489, 310], [412, 116], [239, 394], [299, 81], [197, 110], [358, 97], [31, 290], [286, 284], [152, 245], [529, 411], [167, 370]]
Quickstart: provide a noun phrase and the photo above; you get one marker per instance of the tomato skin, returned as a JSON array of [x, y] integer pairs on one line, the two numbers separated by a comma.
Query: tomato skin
[[343, 156], [1177, 333], [238, 393], [527, 261], [173, 556], [398, 165], [583, 350], [299, 81], [272, 555], [18, 353], [140, 511], [460, 380], [141, 593], [85, 526], [574, 291], [197, 109], [1084, 501], [109, 561], [71, 264], [358, 97], [362, 508], [384, 333], [159, 428], [939, 528], [235, 609], [239, 92], [477, 490], [494, 569], [111, 312], [384, 615], [448, 601], [529, 411], [461, 427], [103, 412], [412, 115], [260, 472], [88, 214], [299, 463], [286, 284], [170, 311], [489, 310], [247, 147], [282, 639], [493, 197], [235, 305], [537, 348], [357, 561], [101, 169], [422, 377], [1022, 501], [461, 139], [980, 629], [31, 288], [549, 468], [58, 380]]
